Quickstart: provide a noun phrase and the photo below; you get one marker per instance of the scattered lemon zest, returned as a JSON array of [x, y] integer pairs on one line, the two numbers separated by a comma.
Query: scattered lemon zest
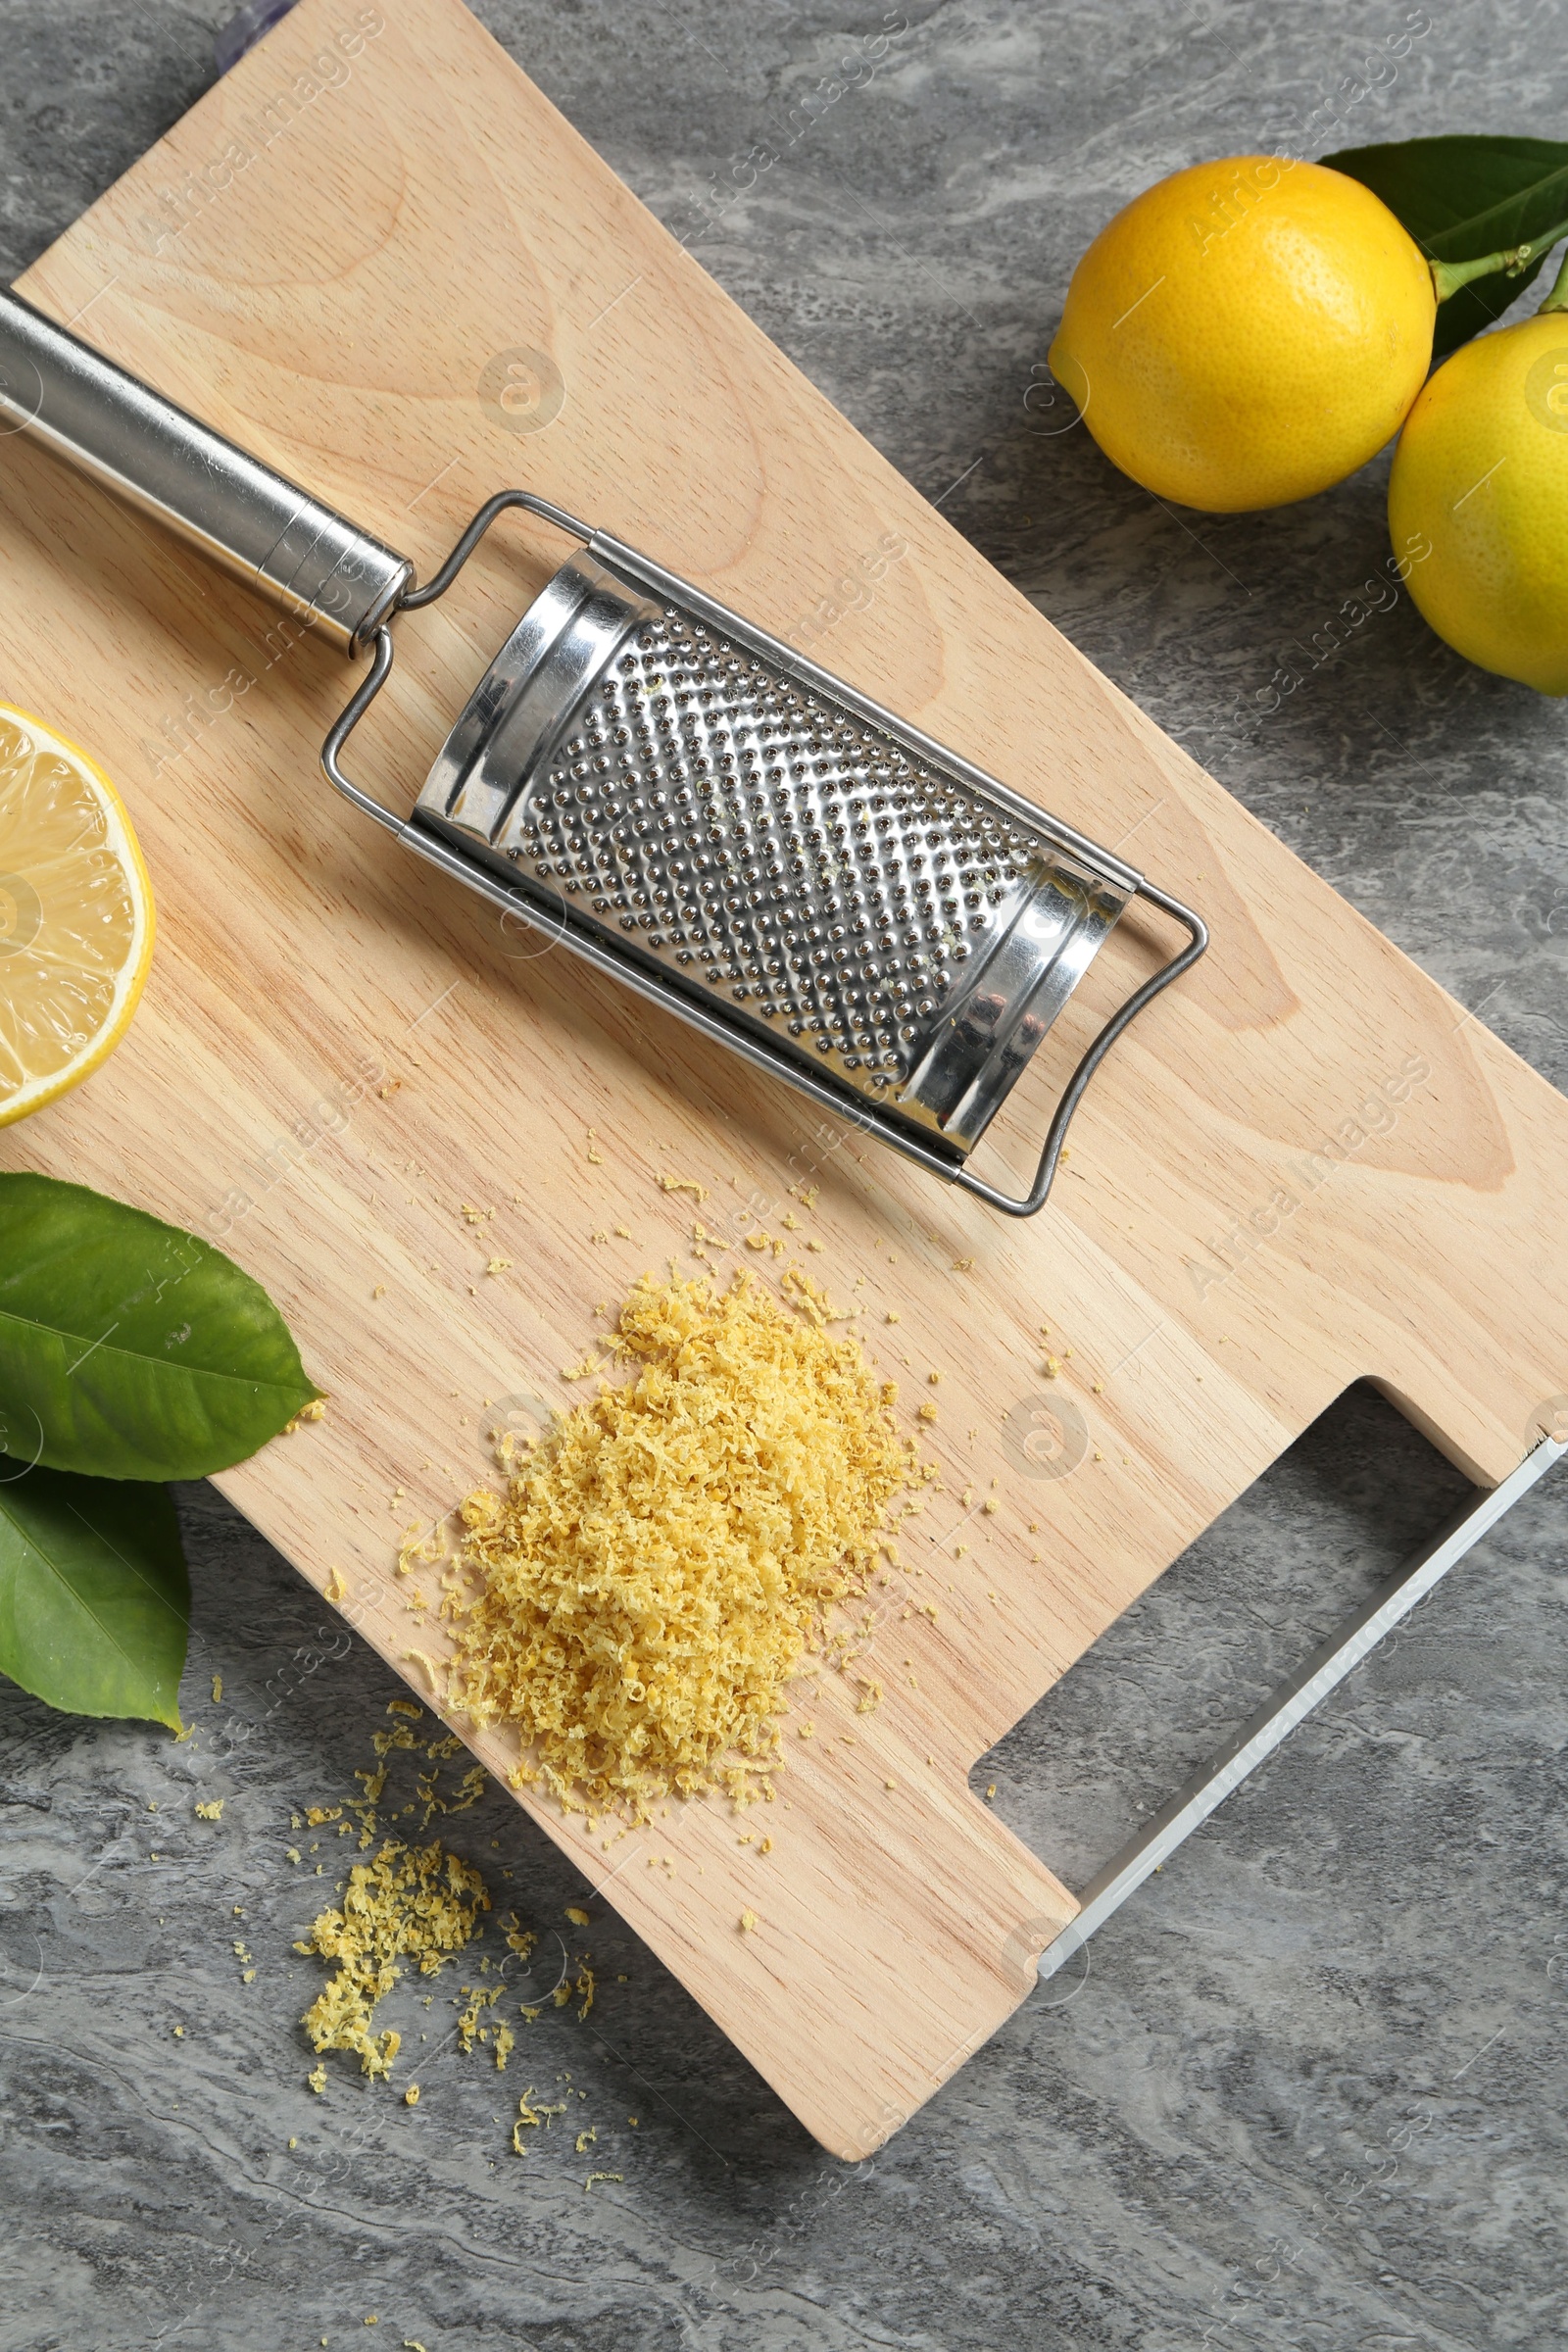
[[415, 1904], [469, 2028]]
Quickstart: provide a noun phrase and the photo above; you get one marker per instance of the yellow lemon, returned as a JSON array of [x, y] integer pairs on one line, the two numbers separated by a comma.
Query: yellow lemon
[[1480, 474], [75, 915], [1247, 332]]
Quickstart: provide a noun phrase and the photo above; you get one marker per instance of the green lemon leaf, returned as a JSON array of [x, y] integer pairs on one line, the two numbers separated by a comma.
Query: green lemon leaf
[[128, 1348], [94, 1598], [1462, 198]]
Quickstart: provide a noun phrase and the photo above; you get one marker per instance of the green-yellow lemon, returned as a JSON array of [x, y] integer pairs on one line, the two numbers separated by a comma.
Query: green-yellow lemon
[[1480, 474], [1247, 332]]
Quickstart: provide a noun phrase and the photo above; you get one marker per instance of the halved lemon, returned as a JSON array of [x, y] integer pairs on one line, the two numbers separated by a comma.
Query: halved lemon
[[75, 915]]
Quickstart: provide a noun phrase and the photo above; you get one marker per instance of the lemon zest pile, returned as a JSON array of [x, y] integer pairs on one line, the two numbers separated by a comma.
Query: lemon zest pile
[[408, 1903], [637, 1602]]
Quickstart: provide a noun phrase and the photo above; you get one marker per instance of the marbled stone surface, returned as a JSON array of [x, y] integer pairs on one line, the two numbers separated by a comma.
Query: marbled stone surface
[[1311, 2091]]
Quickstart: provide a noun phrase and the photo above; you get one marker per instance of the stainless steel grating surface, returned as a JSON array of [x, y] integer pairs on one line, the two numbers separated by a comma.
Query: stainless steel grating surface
[[755, 840], [730, 824]]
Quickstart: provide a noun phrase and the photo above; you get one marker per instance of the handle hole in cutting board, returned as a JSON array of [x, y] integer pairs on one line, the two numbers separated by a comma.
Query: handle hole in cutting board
[[1157, 1694]]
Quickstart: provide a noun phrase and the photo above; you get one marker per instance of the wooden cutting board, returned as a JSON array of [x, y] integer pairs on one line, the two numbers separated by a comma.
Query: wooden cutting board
[[377, 257]]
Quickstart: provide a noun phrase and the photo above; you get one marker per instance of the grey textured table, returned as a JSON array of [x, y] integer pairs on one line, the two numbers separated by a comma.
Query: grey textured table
[[1307, 2089]]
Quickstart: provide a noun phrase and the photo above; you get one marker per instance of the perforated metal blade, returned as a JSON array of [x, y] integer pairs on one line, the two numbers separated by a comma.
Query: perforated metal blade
[[715, 818]]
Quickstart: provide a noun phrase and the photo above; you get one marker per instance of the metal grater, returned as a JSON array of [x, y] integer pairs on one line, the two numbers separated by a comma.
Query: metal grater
[[675, 795]]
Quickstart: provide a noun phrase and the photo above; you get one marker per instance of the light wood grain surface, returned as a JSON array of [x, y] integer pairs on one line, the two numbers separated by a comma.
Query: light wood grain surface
[[1308, 1165]]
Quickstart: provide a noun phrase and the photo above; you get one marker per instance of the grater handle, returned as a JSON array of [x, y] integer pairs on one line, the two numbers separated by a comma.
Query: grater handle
[[258, 525]]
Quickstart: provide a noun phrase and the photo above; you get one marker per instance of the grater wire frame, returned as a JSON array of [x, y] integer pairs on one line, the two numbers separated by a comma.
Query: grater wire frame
[[665, 989]]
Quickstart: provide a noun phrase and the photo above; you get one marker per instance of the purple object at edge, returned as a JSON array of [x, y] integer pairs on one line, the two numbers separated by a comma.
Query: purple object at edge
[[244, 29]]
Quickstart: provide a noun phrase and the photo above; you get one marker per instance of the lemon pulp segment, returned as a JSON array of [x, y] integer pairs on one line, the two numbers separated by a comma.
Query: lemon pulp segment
[[75, 915]]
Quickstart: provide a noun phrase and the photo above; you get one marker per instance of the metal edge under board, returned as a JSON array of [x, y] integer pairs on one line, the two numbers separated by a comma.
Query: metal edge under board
[[1261, 1734]]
